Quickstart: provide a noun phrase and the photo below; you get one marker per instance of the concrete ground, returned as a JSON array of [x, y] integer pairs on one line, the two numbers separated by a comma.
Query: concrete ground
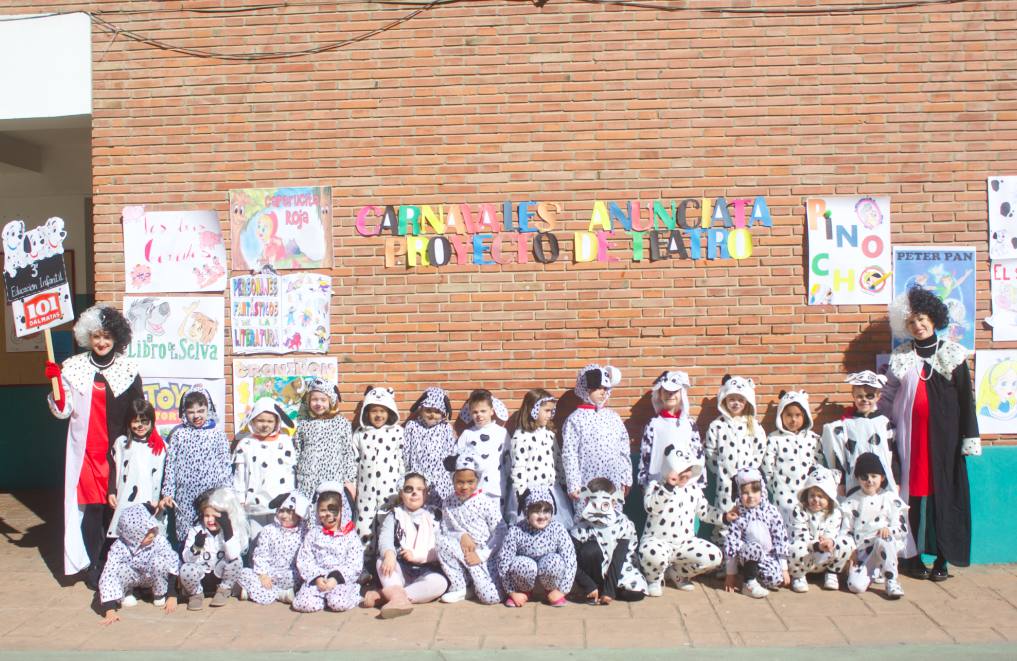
[[977, 608]]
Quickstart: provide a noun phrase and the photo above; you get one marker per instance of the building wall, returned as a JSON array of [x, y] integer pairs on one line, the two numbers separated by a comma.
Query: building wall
[[483, 102]]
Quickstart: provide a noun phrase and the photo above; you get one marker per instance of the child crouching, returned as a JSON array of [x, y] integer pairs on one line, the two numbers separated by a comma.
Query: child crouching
[[331, 556], [213, 549], [140, 558], [756, 544], [273, 576], [605, 541], [819, 542]]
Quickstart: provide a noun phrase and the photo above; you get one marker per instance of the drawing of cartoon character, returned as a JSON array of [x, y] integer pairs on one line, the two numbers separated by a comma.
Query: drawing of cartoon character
[[868, 213], [150, 314], [997, 393], [197, 326], [293, 344], [14, 247]]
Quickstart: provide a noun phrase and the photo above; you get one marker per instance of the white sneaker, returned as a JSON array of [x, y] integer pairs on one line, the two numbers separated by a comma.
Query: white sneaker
[[655, 589], [453, 596], [831, 581], [285, 596], [243, 594], [685, 585], [753, 589], [893, 589], [159, 602], [129, 601], [799, 584], [877, 578]]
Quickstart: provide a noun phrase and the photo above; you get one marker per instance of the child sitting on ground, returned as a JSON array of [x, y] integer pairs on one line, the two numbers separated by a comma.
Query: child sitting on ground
[[331, 556], [324, 440], [213, 549], [263, 462], [756, 545], [791, 451], [273, 575], [429, 439], [819, 542]]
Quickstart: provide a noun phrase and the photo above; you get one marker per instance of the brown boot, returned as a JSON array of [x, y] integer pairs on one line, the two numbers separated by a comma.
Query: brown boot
[[195, 602], [397, 604]]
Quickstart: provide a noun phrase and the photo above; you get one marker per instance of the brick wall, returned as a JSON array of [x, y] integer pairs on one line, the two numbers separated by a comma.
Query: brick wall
[[489, 101]]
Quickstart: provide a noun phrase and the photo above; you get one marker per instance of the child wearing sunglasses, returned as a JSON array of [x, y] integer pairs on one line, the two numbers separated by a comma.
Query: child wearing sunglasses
[[862, 430]]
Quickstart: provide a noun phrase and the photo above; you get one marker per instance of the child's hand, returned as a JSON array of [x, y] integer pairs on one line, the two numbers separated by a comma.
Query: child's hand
[[407, 555], [111, 617], [731, 514], [266, 581], [167, 502], [625, 491], [594, 596], [321, 584], [884, 533], [574, 495], [467, 544], [472, 559], [730, 582], [330, 584], [171, 605], [199, 540], [841, 492], [112, 500], [388, 564], [787, 578], [826, 544]]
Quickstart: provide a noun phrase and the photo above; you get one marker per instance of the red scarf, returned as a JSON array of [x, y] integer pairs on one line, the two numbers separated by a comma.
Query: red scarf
[[155, 443], [345, 530]]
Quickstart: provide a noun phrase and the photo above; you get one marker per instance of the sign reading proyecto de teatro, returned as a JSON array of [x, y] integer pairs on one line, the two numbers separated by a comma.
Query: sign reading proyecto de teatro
[[523, 232]]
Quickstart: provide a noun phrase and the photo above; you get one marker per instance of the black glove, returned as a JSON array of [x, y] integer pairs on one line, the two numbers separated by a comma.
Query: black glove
[[338, 577], [199, 541], [227, 526]]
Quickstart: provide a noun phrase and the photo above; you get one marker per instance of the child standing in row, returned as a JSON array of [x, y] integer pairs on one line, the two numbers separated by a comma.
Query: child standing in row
[[324, 440], [605, 541], [863, 430], [536, 550], [378, 442], [791, 451], [877, 519], [485, 440], [197, 459], [756, 544], [672, 427], [272, 575], [536, 459], [138, 462], [819, 542], [213, 549], [429, 440], [263, 462], [595, 443], [331, 556]]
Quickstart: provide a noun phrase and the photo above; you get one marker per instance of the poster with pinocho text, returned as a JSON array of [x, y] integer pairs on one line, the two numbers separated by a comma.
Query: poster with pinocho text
[[849, 250], [173, 251], [949, 273], [1003, 285], [1002, 217], [280, 313], [165, 393], [285, 228], [996, 391], [283, 379], [178, 336]]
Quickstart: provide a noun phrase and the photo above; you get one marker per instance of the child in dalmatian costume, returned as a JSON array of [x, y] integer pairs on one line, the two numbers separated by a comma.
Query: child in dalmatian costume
[[273, 575], [213, 550], [734, 440], [139, 457], [324, 440], [673, 499], [536, 458], [429, 439], [605, 541], [140, 558], [331, 557], [595, 442], [471, 533], [672, 427], [378, 443], [538, 549], [791, 451], [263, 462], [487, 442], [757, 541], [197, 459], [819, 542], [877, 519], [864, 430]]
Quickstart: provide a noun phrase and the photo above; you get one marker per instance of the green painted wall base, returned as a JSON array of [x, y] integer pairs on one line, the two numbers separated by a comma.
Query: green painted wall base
[[993, 478], [32, 441]]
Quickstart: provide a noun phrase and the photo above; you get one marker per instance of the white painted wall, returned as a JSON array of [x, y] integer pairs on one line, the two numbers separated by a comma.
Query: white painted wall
[[47, 69]]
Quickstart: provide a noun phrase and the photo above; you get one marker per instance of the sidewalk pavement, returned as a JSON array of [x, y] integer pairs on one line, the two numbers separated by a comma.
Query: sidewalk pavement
[[976, 608]]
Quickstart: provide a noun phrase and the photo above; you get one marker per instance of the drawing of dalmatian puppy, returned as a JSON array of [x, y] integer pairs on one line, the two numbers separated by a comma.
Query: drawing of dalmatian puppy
[[55, 235], [14, 247]]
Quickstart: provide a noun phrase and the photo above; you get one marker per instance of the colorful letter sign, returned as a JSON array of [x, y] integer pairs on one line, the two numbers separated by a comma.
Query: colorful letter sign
[[849, 250]]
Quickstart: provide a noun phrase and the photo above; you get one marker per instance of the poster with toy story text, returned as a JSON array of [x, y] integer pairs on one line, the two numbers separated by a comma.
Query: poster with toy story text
[[283, 379], [949, 273], [1002, 217], [849, 250], [173, 251], [996, 391], [280, 313], [165, 393], [1003, 284], [176, 335], [285, 228]]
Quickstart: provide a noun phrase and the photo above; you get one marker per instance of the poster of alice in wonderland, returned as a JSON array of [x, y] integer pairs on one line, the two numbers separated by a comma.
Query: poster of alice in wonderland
[[285, 228]]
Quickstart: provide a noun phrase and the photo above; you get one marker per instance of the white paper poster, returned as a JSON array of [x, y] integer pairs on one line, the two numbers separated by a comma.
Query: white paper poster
[[996, 391], [849, 250], [165, 393], [280, 313], [178, 336], [173, 251], [1002, 217], [1003, 284], [283, 379]]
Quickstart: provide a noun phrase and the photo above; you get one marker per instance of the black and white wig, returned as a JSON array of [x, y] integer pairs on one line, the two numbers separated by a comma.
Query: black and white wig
[[102, 318]]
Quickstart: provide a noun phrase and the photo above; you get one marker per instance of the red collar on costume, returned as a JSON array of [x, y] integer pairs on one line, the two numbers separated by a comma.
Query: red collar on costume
[[475, 493], [667, 414], [345, 530], [587, 406]]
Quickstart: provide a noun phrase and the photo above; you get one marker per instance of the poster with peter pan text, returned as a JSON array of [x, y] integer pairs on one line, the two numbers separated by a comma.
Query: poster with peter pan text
[[285, 228], [949, 273]]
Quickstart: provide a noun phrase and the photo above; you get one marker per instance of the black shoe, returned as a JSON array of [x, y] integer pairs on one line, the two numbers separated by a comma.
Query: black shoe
[[938, 574], [915, 568]]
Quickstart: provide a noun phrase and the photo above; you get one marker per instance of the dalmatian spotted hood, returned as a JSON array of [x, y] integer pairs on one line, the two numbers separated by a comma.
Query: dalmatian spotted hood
[[433, 398], [736, 385], [680, 462], [382, 397], [268, 405], [823, 478], [463, 462], [594, 376], [213, 416], [668, 382], [328, 388], [801, 398], [296, 501], [135, 522], [747, 476]]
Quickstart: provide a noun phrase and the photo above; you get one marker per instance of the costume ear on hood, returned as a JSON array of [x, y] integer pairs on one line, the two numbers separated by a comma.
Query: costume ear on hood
[[679, 462], [594, 376], [799, 397], [501, 411], [747, 475], [822, 478], [268, 405], [736, 385], [462, 462], [534, 495], [671, 381], [135, 522], [433, 398], [376, 395]]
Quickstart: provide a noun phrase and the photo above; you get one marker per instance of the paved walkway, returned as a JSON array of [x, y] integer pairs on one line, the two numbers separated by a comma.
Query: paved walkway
[[977, 607]]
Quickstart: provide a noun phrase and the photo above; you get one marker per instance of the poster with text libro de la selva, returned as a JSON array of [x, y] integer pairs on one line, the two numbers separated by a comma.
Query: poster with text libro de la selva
[[849, 250]]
